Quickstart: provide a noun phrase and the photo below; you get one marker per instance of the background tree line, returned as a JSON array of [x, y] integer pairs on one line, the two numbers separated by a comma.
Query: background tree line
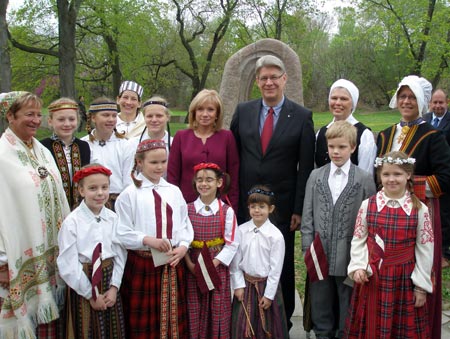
[[177, 47]]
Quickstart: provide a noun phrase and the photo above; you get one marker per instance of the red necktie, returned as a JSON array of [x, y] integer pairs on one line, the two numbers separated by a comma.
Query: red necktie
[[96, 271], [267, 130]]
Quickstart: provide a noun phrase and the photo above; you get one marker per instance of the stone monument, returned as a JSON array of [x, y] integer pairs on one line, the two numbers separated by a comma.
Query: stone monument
[[239, 74]]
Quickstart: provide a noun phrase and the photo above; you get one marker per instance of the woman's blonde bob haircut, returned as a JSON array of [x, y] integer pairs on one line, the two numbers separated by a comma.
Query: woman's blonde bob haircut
[[206, 96]]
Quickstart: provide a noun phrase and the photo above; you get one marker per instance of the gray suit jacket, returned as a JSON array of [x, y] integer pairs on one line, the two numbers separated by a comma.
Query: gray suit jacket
[[334, 223]]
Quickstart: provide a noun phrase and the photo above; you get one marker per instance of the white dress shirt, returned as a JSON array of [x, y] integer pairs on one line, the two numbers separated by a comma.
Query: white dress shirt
[[136, 209], [118, 156], [231, 235], [338, 179], [79, 234], [260, 254], [421, 275]]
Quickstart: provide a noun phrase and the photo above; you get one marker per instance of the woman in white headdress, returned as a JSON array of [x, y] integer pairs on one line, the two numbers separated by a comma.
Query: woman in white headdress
[[130, 121], [421, 141], [342, 102]]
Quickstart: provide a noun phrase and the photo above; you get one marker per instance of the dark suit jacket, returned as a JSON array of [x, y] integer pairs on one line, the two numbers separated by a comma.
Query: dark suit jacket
[[444, 125], [287, 163]]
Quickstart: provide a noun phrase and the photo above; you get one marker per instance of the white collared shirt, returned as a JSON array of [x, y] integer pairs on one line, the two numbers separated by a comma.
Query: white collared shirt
[[260, 254], [421, 275], [79, 235], [118, 156], [338, 179], [231, 236], [123, 126], [136, 209]]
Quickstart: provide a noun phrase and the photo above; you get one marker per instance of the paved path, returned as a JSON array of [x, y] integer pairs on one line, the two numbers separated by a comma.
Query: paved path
[[297, 331]]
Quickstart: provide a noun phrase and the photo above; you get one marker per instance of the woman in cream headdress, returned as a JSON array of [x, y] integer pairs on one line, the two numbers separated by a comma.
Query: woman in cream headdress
[[342, 101], [428, 146], [32, 210], [129, 121]]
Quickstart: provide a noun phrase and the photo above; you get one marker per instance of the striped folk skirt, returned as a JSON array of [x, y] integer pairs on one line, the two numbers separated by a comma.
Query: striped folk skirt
[[270, 323], [154, 299], [86, 323]]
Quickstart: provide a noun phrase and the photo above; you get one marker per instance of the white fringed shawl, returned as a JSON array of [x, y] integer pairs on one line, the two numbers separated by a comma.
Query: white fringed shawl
[[31, 212]]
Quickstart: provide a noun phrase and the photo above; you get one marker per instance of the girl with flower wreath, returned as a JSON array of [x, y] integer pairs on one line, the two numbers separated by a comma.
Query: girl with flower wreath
[[391, 258], [214, 246]]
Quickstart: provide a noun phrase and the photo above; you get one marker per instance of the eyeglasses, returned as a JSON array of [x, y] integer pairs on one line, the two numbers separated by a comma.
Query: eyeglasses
[[272, 78], [208, 180], [403, 97]]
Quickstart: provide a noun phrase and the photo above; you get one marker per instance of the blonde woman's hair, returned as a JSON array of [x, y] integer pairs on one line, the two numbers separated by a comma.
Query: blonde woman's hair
[[203, 97]]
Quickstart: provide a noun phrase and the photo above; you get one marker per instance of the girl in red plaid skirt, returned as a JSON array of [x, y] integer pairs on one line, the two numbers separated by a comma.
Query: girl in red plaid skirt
[[391, 258], [211, 252]]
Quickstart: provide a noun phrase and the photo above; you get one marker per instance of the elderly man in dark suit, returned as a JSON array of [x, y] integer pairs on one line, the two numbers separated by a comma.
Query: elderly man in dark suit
[[275, 139], [439, 117]]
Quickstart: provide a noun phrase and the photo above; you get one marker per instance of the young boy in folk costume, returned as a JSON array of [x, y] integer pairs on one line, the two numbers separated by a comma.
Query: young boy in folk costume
[[258, 307], [210, 255], [91, 260], [70, 153], [154, 219], [391, 258], [333, 194], [109, 147]]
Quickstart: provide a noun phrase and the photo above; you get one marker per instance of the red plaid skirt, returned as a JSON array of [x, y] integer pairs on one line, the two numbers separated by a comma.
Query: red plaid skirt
[[210, 313], [141, 296]]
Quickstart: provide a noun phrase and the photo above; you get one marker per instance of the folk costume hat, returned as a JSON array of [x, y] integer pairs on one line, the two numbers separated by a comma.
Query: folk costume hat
[[131, 86], [61, 105], [150, 144], [87, 171], [421, 88], [350, 87], [6, 101]]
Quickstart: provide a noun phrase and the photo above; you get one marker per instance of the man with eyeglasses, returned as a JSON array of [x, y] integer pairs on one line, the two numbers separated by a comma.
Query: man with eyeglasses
[[275, 139]]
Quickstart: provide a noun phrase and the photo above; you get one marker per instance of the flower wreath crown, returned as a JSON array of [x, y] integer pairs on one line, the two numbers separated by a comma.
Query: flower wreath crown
[[393, 161]]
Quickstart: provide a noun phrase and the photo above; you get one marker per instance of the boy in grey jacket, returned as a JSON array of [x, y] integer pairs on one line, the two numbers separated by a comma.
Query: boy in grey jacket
[[334, 193]]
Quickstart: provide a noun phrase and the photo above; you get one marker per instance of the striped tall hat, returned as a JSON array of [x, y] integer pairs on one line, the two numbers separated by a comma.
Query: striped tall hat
[[131, 86]]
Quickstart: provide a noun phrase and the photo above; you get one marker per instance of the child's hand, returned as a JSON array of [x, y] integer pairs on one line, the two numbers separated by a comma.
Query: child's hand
[[265, 303], [420, 297], [239, 294], [160, 244], [360, 277], [216, 262], [111, 296], [190, 265], [99, 304], [177, 254]]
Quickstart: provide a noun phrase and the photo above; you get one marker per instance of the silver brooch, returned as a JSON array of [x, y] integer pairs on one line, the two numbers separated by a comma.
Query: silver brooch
[[42, 172], [102, 143]]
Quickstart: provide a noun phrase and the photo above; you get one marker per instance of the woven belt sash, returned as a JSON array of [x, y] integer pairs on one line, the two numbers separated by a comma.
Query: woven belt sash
[[253, 281]]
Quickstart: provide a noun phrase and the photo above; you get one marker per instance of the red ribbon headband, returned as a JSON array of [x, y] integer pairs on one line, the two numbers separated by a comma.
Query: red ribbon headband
[[148, 145], [84, 172], [62, 105], [206, 165]]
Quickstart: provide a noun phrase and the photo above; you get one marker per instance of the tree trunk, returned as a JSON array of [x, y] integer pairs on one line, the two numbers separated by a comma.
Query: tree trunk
[[67, 16], [5, 61]]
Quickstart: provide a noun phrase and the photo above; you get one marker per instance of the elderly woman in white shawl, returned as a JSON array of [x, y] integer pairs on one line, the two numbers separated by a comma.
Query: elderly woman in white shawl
[[32, 210], [342, 102], [421, 141]]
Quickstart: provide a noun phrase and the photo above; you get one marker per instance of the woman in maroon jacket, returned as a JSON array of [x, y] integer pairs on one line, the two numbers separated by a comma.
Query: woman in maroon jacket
[[203, 141]]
